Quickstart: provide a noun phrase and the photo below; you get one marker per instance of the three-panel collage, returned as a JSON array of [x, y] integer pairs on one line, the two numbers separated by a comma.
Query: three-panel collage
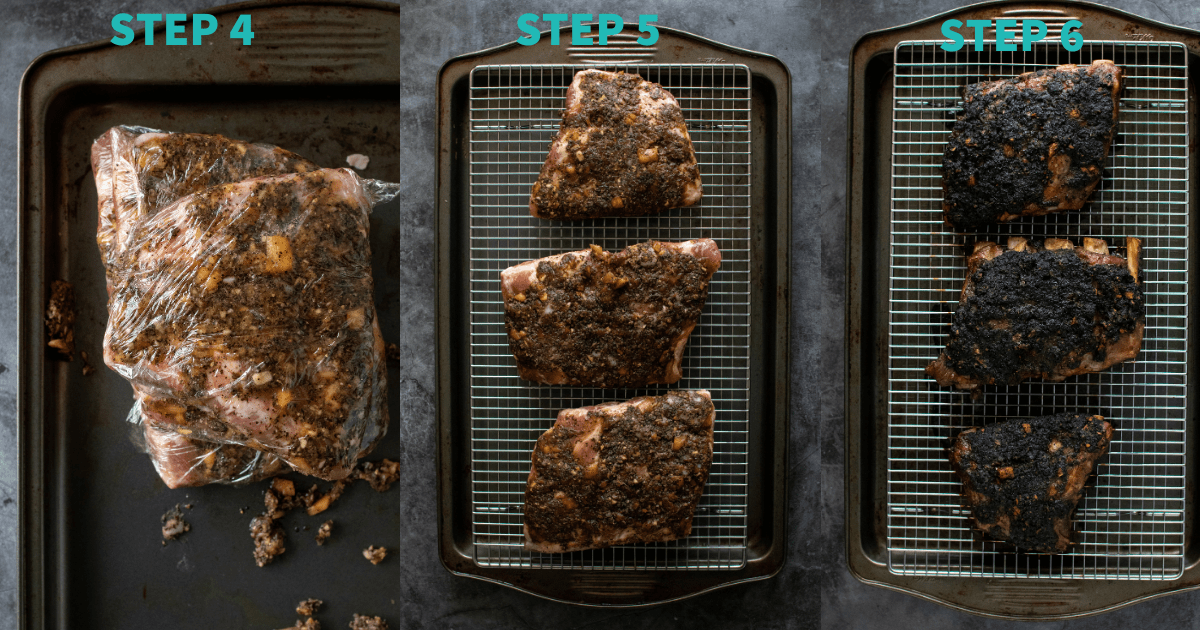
[[398, 314]]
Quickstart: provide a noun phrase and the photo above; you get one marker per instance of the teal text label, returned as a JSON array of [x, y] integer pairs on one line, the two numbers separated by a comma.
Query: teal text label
[[174, 27], [1027, 32], [582, 25]]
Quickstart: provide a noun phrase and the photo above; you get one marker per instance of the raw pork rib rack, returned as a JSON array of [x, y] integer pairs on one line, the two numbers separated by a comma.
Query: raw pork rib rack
[[1130, 523], [514, 115]]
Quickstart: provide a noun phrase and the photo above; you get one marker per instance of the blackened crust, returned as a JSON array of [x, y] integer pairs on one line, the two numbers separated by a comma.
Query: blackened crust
[[1023, 478], [1045, 313], [1029, 145]]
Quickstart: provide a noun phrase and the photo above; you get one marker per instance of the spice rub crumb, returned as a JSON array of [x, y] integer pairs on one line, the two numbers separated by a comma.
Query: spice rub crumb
[[173, 525], [375, 554], [324, 532], [363, 622]]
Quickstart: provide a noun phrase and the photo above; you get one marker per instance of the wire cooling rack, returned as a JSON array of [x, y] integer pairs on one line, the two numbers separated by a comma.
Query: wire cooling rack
[[514, 115], [1130, 524]]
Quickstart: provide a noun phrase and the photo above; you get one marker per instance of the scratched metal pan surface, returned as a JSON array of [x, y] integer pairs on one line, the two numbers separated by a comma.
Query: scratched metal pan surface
[[906, 527], [497, 112], [91, 555]]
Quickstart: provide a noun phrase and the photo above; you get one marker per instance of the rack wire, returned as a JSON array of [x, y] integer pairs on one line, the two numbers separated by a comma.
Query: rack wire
[[1130, 523], [514, 115]]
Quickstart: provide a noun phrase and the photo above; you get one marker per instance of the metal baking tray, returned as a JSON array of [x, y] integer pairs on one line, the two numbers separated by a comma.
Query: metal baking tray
[[320, 79], [497, 112], [906, 527]]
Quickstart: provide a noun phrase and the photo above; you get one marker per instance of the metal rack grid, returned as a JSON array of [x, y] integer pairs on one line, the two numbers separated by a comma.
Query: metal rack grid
[[1130, 524], [514, 115]]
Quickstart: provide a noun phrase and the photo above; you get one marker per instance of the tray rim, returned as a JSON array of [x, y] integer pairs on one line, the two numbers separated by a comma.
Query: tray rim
[[949, 591], [761, 65], [32, 100]]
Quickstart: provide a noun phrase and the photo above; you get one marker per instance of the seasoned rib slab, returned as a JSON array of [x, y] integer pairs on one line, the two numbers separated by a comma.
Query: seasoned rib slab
[[1023, 478], [622, 149], [183, 462], [1050, 313], [139, 172], [600, 319], [1030, 145], [620, 473], [244, 314]]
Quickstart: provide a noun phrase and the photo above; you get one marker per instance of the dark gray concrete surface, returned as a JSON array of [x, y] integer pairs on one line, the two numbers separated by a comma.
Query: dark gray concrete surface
[[814, 38]]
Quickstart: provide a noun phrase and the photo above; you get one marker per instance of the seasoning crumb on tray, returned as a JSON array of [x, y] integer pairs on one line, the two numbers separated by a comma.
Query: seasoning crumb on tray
[[309, 607], [380, 475], [324, 531], [320, 504], [363, 622], [283, 497], [307, 624], [173, 525], [60, 318], [284, 486], [268, 535], [268, 539], [375, 554]]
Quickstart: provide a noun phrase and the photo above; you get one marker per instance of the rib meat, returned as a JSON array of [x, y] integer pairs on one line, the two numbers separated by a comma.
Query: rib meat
[[622, 149], [244, 314], [139, 171], [620, 473], [1023, 478], [1050, 313], [601, 319], [1030, 145], [182, 462]]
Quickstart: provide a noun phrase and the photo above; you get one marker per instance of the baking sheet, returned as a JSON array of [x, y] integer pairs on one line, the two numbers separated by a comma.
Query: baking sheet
[[91, 544], [981, 588], [493, 132], [1130, 522]]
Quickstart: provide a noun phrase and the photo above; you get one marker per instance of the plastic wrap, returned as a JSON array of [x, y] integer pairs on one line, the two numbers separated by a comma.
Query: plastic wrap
[[139, 170], [181, 461], [243, 314]]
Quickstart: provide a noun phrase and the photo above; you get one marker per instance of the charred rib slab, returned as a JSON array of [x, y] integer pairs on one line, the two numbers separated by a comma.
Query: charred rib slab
[[1030, 145], [1023, 478], [1050, 313]]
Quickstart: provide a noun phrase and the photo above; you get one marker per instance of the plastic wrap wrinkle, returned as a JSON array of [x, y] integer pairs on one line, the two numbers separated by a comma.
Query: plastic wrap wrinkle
[[244, 315], [242, 312], [183, 462], [380, 191], [139, 170]]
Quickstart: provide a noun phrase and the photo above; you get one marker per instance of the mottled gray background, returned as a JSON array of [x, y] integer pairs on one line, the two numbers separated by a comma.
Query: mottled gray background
[[813, 38]]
